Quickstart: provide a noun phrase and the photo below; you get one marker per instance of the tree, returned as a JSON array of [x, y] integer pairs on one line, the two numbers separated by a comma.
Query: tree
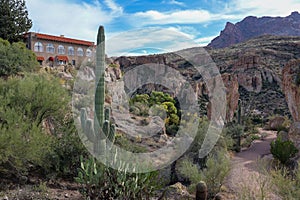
[[14, 20]]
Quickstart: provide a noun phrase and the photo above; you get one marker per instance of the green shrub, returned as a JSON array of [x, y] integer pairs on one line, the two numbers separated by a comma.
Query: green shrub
[[16, 58], [157, 104], [100, 182], [235, 132], [26, 104], [128, 145], [286, 187], [283, 150], [217, 168]]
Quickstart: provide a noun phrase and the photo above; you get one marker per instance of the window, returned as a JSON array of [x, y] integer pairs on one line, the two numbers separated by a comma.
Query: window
[[88, 53], [73, 62], [71, 51], [38, 47], [50, 48], [80, 52], [61, 49]]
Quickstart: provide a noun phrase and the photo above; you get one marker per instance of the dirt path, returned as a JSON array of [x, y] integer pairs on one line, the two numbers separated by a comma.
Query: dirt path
[[245, 179]]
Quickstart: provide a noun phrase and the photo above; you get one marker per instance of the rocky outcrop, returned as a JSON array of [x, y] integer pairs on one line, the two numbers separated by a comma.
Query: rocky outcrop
[[257, 65], [231, 84], [251, 27], [176, 192], [276, 123], [294, 135], [291, 87]]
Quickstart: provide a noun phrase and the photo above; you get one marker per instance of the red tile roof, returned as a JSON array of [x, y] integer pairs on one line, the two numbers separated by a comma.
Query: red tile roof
[[63, 58], [40, 58], [63, 39]]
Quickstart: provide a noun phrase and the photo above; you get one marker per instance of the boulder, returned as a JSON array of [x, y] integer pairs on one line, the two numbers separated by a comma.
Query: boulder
[[275, 123], [176, 192], [294, 134]]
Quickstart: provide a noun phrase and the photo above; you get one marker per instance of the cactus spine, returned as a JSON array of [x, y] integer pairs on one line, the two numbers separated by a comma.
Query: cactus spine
[[201, 191]]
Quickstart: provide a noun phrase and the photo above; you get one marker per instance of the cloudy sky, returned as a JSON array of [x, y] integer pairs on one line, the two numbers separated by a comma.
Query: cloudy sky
[[140, 26]]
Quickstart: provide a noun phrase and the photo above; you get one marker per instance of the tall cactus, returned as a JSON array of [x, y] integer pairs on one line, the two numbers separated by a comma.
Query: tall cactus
[[239, 112], [100, 83], [239, 121], [102, 114]]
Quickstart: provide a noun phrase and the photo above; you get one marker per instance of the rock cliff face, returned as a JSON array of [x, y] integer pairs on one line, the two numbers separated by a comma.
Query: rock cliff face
[[188, 72], [251, 71], [291, 87], [258, 64], [251, 27]]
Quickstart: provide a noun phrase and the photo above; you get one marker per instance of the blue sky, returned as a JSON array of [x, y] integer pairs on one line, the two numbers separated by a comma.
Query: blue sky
[[139, 26]]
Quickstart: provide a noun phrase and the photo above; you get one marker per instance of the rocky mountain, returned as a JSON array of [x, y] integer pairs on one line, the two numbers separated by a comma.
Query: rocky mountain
[[251, 71], [251, 27]]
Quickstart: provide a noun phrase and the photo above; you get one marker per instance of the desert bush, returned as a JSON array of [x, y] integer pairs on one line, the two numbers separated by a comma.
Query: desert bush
[[286, 186], [235, 132], [128, 145], [23, 143], [157, 104], [16, 58], [26, 104], [283, 150], [100, 182], [217, 168]]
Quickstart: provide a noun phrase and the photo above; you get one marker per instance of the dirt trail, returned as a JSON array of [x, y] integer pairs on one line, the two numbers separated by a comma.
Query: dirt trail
[[245, 178]]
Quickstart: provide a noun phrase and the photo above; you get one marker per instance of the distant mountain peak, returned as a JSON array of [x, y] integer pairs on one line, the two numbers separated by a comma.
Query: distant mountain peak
[[252, 26]]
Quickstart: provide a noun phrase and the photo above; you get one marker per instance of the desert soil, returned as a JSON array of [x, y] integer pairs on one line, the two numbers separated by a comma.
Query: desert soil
[[246, 177]]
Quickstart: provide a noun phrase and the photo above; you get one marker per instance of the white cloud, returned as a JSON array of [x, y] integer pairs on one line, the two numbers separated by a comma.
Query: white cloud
[[203, 41], [162, 39], [179, 17], [264, 8], [174, 2], [77, 20], [116, 9]]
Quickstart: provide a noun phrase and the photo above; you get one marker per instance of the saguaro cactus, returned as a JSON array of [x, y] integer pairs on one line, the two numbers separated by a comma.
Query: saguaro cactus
[[100, 83], [239, 112], [201, 191], [102, 114]]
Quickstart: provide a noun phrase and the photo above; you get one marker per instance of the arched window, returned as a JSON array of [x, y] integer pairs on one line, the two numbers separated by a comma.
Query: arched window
[[50, 48], [79, 52], [61, 49], [38, 47], [88, 53], [71, 51]]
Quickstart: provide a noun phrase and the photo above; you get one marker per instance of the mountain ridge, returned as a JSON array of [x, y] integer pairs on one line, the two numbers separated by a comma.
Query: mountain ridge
[[253, 26]]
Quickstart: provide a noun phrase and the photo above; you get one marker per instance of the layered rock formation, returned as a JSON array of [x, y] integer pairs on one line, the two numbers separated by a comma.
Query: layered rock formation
[[291, 87], [251, 27], [252, 71], [258, 64]]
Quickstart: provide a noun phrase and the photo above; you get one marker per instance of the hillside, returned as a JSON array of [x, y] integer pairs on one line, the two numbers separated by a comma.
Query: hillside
[[251, 69], [251, 27]]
